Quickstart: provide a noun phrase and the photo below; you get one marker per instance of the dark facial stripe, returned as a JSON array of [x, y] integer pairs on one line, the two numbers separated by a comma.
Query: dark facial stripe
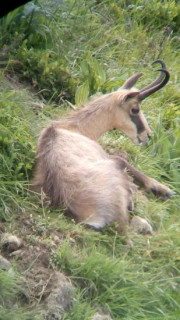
[[138, 122]]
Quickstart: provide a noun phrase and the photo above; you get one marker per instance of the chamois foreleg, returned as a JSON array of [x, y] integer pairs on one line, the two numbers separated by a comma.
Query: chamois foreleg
[[150, 184]]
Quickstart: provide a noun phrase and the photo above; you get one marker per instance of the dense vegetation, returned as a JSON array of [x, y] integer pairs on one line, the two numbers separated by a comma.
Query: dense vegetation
[[54, 55]]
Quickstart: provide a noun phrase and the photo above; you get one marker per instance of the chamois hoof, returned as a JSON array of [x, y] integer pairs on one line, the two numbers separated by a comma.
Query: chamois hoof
[[170, 193], [140, 225], [164, 193], [160, 190]]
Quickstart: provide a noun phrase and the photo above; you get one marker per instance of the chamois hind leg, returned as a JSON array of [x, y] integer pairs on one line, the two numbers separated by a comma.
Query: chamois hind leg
[[99, 211], [150, 184], [99, 220]]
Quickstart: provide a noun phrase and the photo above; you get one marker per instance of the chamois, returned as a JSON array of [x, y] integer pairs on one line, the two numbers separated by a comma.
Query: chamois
[[72, 169]]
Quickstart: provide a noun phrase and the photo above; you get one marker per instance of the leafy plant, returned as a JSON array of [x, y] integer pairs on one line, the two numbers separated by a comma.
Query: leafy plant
[[159, 14], [93, 79], [17, 150]]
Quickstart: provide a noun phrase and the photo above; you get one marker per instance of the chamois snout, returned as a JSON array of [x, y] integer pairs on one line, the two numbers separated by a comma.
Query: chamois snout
[[143, 131], [129, 118], [140, 128]]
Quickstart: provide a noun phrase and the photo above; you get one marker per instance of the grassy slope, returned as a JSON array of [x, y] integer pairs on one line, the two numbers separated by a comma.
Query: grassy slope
[[142, 282]]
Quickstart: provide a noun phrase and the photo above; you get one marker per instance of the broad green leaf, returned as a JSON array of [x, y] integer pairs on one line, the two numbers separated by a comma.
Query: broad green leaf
[[82, 93]]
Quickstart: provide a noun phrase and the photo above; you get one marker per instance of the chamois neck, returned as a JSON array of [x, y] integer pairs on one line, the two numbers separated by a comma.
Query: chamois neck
[[92, 120]]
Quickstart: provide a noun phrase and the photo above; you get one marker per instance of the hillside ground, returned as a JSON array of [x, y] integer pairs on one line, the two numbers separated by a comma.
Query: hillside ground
[[54, 57]]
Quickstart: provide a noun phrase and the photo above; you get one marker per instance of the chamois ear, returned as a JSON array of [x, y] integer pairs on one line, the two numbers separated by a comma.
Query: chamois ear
[[131, 95]]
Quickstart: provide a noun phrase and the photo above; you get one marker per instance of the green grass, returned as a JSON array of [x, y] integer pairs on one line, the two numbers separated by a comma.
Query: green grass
[[11, 289], [131, 283], [70, 52]]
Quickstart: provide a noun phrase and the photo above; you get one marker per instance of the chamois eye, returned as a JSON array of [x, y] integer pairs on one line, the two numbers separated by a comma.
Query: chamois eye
[[134, 111]]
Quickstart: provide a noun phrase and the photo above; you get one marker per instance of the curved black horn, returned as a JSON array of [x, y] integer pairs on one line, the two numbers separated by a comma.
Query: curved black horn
[[131, 81], [151, 90], [159, 79]]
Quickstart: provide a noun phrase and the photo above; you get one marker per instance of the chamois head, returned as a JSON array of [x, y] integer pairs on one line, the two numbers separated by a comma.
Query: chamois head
[[128, 116]]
